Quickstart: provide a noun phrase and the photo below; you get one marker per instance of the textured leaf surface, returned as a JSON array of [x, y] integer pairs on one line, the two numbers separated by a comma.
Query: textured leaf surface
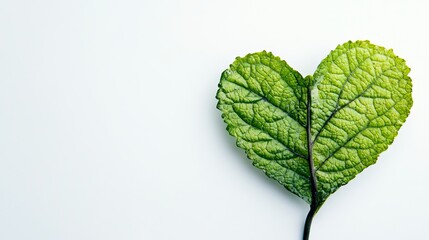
[[360, 96]]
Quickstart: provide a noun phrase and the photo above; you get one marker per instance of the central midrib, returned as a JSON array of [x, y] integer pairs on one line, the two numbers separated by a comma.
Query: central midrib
[[313, 180]]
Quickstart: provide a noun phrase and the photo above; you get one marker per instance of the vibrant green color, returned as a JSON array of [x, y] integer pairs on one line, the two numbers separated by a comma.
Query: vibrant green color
[[360, 96]]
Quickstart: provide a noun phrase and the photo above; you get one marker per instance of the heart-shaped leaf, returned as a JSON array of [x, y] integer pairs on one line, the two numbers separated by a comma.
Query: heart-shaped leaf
[[315, 134]]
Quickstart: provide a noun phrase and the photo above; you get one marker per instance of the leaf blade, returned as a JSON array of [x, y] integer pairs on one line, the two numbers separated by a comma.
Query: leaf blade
[[263, 105], [364, 114], [360, 97]]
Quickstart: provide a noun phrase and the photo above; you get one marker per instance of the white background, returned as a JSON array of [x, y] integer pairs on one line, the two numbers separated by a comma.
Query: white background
[[108, 125]]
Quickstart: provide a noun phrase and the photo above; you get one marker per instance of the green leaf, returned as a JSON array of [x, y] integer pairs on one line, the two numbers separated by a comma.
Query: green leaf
[[329, 126]]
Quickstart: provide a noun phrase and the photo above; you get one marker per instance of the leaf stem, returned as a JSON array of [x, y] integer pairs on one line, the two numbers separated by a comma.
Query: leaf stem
[[308, 221], [313, 181]]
